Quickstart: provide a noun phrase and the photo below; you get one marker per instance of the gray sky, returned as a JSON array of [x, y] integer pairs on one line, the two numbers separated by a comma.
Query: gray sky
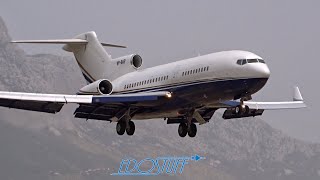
[[285, 33]]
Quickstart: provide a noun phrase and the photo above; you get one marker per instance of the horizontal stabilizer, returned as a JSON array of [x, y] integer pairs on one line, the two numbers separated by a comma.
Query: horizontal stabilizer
[[54, 41], [65, 41], [113, 45]]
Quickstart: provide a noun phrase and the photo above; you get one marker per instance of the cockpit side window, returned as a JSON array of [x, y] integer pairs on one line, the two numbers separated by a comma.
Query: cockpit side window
[[262, 61], [241, 61]]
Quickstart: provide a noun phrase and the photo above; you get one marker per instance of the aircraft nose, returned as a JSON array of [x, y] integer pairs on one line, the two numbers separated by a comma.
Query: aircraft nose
[[264, 71]]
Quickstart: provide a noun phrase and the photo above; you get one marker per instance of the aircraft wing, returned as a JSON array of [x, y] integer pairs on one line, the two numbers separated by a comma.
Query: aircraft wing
[[296, 103], [257, 108], [52, 103]]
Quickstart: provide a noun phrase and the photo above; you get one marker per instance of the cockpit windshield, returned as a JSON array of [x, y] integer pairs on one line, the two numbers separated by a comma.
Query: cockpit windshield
[[245, 61]]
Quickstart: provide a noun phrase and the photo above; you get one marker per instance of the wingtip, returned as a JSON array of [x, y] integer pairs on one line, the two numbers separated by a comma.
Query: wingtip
[[297, 95]]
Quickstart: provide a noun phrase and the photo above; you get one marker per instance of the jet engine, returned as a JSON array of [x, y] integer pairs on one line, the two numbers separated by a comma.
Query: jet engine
[[102, 86], [133, 61]]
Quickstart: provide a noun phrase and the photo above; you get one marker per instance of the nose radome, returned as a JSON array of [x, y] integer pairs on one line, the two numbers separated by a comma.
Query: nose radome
[[264, 71]]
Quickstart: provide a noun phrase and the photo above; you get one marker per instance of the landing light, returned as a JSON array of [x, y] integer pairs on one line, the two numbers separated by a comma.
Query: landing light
[[168, 95]]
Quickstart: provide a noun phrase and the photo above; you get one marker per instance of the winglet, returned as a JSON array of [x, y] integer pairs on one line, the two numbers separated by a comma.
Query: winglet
[[297, 95]]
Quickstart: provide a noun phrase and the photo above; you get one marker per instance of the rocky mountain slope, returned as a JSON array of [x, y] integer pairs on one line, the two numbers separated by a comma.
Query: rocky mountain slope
[[38, 145]]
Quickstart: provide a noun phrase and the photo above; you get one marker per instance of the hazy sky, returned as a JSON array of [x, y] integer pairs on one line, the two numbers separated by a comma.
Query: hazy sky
[[284, 32]]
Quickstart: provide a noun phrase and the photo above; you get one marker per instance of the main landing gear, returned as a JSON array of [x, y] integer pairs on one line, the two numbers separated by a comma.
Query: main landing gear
[[188, 128], [183, 130], [241, 109], [127, 126]]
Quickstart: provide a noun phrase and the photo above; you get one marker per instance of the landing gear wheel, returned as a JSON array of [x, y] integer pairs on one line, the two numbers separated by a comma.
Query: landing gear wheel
[[238, 110], [192, 132], [183, 129], [246, 110], [130, 128], [242, 110], [121, 127]]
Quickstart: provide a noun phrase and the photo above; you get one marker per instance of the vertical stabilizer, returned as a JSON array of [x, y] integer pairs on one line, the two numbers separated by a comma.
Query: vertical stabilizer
[[93, 60], [91, 57]]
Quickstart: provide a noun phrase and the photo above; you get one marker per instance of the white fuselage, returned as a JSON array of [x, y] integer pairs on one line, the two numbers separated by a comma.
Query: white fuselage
[[203, 80], [221, 65]]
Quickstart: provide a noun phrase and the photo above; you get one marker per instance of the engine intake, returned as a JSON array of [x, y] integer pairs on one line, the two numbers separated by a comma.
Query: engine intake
[[128, 63], [102, 86], [136, 61]]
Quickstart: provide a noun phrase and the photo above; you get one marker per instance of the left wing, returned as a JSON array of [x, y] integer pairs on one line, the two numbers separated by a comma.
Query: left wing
[[52, 103], [257, 108], [296, 103]]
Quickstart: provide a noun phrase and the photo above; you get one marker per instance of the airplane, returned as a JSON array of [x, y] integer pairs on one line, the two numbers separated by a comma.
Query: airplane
[[184, 92]]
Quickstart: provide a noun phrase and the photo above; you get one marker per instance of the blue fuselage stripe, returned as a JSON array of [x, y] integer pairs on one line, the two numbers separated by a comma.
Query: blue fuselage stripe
[[106, 99]]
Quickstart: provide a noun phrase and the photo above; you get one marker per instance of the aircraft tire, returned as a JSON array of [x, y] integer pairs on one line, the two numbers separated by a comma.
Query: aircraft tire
[[246, 110], [121, 127], [192, 132], [183, 129], [131, 128], [239, 110]]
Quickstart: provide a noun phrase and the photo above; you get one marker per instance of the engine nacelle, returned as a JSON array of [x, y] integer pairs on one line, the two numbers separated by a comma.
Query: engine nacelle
[[129, 62], [101, 86]]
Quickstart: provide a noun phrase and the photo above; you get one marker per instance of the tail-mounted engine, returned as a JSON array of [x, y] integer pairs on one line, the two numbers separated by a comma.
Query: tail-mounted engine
[[128, 63], [102, 86]]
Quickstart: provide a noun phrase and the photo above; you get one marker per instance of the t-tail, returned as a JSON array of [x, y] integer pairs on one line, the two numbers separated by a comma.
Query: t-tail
[[93, 60]]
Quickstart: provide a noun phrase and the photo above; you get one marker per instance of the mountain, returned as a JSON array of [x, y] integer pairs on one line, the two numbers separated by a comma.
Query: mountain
[[45, 146]]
